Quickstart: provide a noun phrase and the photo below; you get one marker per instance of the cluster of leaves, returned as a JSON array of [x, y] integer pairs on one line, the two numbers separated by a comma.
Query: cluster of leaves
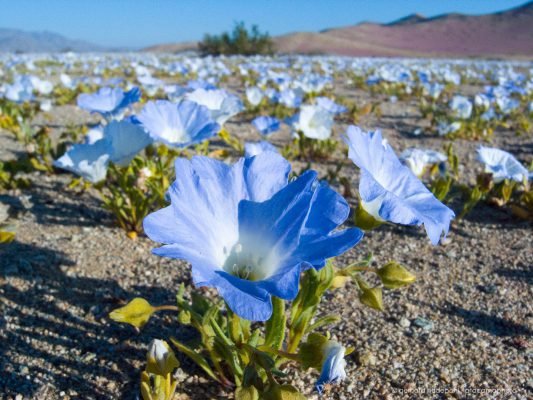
[[63, 95], [132, 192], [250, 358], [239, 41], [10, 175], [304, 148], [517, 197]]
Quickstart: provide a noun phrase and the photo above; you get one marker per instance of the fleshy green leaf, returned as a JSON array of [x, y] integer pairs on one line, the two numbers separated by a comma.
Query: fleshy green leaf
[[6, 236], [275, 326], [197, 358], [137, 313], [246, 393]]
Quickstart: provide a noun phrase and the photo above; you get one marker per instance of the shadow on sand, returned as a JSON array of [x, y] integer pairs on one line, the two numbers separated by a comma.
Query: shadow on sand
[[56, 315]]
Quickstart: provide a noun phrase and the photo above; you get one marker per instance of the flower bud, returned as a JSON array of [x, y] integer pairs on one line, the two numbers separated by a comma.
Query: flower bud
[[332, 370], [371, 297], [184, 317], [6, 237], [340, 281], [366, 216], [137, 313], [160, 358], [310, 353], [30, 148], [394, 276]]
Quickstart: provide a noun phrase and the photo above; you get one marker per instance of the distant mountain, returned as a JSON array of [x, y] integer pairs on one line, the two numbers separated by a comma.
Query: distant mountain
[[410, 19], [503, 34], [14, 40]]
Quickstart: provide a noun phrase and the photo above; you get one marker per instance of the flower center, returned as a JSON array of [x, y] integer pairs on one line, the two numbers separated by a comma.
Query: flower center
[[246, 262], [174, 135]]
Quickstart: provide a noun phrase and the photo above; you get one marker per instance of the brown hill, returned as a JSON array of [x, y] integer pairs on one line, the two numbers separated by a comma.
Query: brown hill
[[503, 34], [172, 47]]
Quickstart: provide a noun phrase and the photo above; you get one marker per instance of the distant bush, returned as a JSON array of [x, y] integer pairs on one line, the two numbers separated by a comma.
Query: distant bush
[[239, 41]]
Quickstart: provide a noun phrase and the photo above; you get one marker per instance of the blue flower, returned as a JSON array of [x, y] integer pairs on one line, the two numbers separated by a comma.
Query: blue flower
[[502, 165], [109, 102], [389, 191], [291, 98], [329, 105], [254, 148], [266, 125], [126, 140], [221, 104], [177, 125], [461, 107], [200, 84], [89, 161], [20, 91], [248, 232], [117, 142], [254, 95], [313, 121], [333, 365]]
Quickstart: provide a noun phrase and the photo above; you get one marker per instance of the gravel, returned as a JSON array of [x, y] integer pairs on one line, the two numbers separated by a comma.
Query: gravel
[[464, 327]]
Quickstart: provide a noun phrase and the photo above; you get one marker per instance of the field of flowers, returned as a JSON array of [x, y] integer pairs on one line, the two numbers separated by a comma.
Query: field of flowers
[[174, 227]]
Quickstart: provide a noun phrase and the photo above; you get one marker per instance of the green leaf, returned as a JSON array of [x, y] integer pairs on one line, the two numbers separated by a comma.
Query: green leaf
[[275, 326], [235, 330], [372, 297], [199, 303], [197, 358], [254, 338], [282, 392], [6, 237], [311, 351], [324, 321], [246, 393], [394, 276], [137, 313], [364, 220]]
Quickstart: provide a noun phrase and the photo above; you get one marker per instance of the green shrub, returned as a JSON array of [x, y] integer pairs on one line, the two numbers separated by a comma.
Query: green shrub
[[239, 41]]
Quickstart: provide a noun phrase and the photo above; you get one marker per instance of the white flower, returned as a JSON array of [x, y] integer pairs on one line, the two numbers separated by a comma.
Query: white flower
[[221, 105], [501, 164], [507, 104], [314, 122], [254, 95], [46, 105], [482, 101], [461, 106], [333, 365], [418, 159], [4, 212], [444, 128]]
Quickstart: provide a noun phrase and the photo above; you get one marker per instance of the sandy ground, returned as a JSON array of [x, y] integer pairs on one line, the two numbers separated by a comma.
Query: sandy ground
[[464, 326]]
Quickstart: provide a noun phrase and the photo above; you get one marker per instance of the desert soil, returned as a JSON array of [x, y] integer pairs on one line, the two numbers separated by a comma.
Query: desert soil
[[464, 326]]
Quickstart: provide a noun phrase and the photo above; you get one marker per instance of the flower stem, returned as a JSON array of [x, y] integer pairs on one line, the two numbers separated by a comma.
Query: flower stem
[[166, 308]]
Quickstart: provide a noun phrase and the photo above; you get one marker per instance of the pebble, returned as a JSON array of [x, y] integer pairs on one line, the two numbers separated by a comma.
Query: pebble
[[423, 323], [61, 300], [405, 323]]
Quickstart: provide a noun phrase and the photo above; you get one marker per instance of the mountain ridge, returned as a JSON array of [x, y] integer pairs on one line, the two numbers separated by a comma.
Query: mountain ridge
[[16, 40], [507, 33]]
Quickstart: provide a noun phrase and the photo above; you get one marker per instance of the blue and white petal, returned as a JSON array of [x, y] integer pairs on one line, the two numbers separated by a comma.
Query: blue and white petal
[[502, 165], [391, 189]]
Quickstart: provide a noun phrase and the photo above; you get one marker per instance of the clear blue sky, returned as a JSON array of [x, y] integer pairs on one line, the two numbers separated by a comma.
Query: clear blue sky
[[138, 23]]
